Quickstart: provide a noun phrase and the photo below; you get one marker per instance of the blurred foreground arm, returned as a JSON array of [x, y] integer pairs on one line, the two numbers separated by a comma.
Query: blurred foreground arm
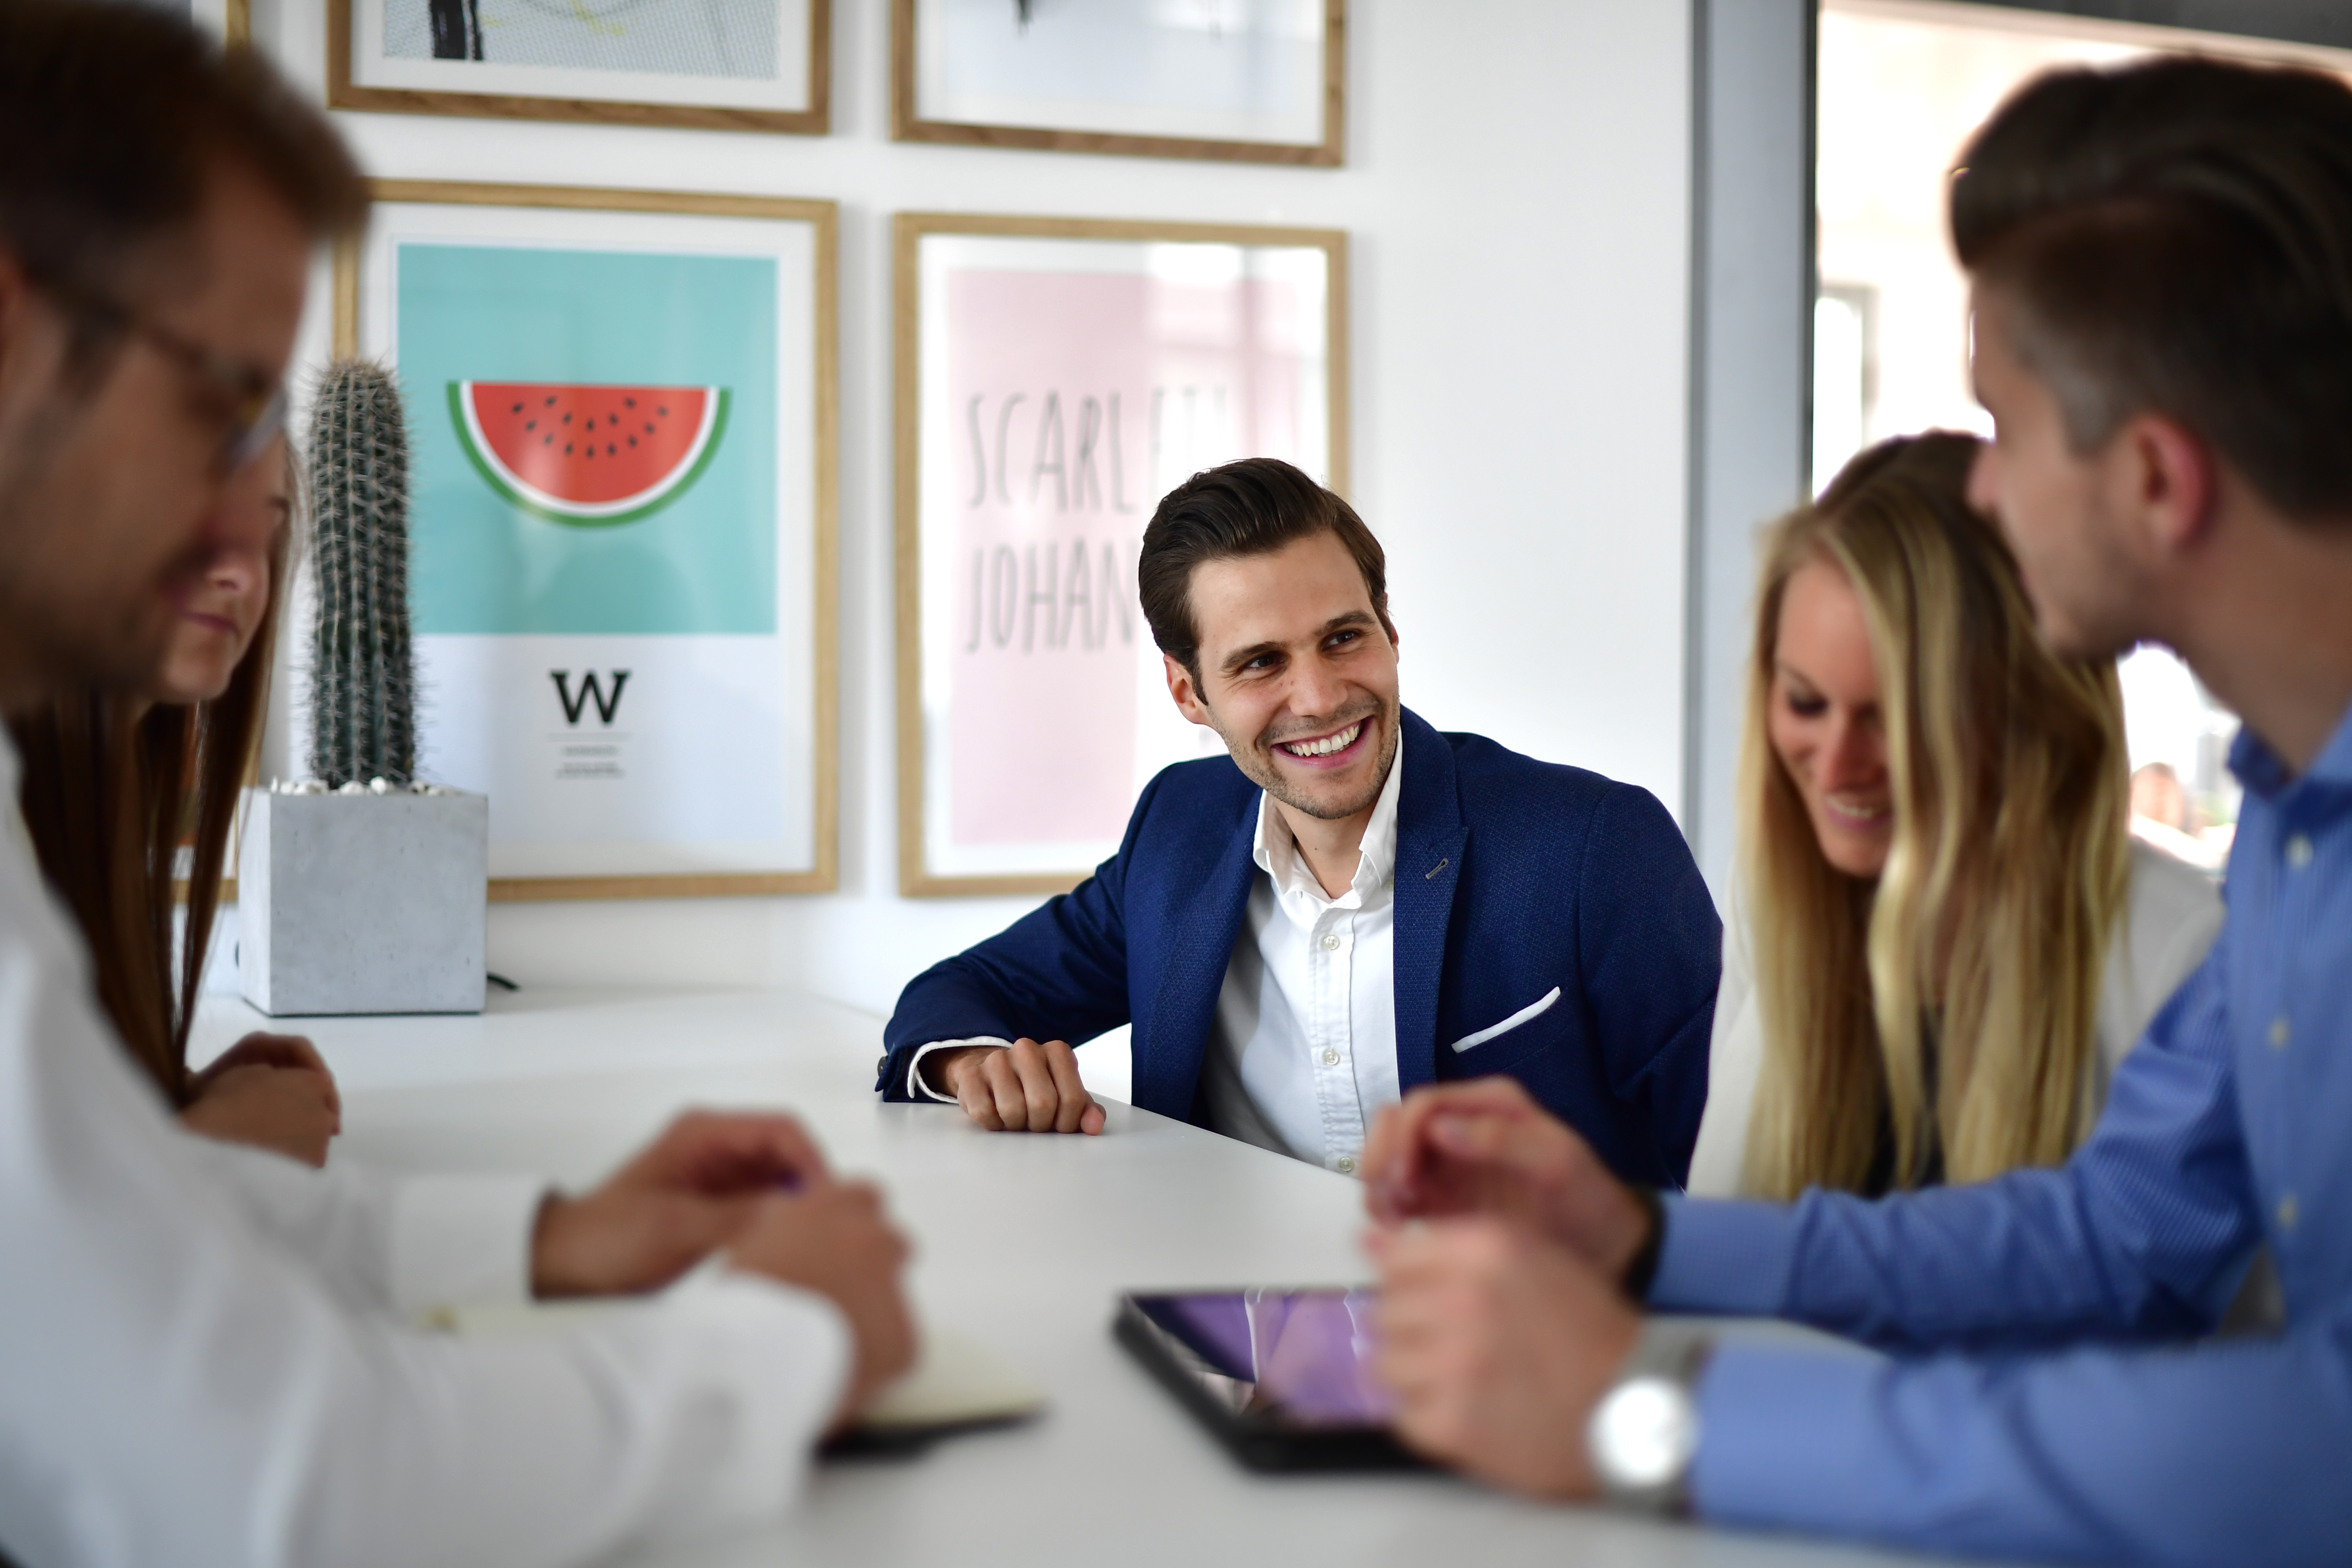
[[210, 1361]]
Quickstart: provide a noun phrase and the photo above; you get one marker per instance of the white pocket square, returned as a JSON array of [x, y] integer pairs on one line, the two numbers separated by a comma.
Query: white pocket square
[[1535, 1009]]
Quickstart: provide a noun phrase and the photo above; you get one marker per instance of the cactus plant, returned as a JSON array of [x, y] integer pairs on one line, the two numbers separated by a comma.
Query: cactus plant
[[363, 667]]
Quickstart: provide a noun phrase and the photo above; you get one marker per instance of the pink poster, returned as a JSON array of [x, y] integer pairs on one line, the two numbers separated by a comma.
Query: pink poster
[[1077, 399]]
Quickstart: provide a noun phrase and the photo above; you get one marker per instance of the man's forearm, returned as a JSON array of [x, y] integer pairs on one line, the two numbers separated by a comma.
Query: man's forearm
[[2201, 1454], [1920, 1271], [2021, 1260]]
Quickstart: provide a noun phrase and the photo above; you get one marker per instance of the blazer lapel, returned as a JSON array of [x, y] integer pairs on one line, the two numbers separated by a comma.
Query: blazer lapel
[[1431, 835], [1168, 1065]]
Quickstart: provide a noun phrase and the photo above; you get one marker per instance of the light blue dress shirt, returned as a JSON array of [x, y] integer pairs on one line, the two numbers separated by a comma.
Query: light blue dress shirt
[[2042, 1399]]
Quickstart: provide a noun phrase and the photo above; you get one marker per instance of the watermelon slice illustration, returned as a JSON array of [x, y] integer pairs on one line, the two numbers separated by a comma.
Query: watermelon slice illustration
[[589, 456]]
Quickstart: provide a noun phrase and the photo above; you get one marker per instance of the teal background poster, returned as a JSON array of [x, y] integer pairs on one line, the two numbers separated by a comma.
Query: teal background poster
[[706, 564]]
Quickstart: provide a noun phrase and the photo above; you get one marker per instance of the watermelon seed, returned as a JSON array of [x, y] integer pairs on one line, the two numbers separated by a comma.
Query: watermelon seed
[[567, 419], [551, 403], [632, 440], [567, 448], [628, 403], [649, 426], [530, 424], [547, 440], [518, 408], [662, 412], [611, 450]]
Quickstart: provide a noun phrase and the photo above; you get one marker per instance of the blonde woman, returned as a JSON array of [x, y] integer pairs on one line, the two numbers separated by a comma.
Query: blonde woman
[[1943, 936]]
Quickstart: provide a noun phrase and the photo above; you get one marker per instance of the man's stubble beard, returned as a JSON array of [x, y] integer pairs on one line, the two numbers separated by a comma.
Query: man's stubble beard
[[115, 645], [2097, 614], [1261, 770]]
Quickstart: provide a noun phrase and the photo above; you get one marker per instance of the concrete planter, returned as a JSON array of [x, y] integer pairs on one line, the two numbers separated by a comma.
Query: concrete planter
[[363, 903]]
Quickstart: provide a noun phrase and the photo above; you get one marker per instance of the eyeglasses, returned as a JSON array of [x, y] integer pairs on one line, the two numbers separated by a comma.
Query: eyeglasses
[[255, 403]]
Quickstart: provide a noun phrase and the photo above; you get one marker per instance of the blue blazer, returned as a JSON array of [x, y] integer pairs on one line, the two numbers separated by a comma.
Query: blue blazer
[[1512, 877]]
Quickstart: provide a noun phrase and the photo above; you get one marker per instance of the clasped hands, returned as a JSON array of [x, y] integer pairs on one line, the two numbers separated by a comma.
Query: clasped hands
[[755, 1185], [1501, 1240]]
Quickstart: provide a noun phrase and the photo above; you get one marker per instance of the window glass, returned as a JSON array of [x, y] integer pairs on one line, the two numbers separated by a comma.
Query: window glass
[[1903, 83]]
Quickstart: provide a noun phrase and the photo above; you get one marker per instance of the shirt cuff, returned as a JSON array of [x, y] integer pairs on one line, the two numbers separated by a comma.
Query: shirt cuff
[[463, 1241], [915, 1084], [795, 1344], [1729, 1259], [1784, 1436]]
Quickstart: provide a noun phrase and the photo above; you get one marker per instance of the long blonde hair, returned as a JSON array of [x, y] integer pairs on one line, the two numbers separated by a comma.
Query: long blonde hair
[[2007, 874]]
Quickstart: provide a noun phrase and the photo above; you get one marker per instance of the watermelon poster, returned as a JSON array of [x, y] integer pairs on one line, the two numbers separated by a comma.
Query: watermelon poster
[[1065, 381], [620, 543]]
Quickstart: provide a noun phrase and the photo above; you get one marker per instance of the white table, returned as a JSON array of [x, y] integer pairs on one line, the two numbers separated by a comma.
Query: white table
[[1021, 1242]]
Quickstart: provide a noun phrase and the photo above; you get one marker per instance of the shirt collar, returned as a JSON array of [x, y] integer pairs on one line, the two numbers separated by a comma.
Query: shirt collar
[[1276, 848], [2261, 770]]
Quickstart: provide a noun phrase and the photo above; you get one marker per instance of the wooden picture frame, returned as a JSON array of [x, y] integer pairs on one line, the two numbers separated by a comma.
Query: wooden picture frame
[[550, 207], [345, 89], [230, 21], [1116, 495], [910, 121]]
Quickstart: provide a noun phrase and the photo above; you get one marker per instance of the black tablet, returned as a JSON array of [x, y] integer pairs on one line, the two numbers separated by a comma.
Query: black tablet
[[1282, 1377]]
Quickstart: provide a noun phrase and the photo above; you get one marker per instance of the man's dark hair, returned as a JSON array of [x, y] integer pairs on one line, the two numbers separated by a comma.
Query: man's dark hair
[[112, 117], [1252, 507], [2176, 237]]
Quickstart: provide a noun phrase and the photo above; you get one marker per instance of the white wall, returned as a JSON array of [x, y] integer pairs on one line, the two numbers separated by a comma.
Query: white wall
[[1518, 194]]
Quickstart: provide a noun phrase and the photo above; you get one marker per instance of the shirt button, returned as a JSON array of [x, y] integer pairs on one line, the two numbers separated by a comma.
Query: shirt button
[[1330, 1056], [2298, 851], [1347, 1165], [2280, 1033], [2286, 1212], [1331, 941]]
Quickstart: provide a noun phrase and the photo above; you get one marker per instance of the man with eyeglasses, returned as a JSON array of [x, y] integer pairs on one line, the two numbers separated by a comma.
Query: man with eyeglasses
[[206, 1353]]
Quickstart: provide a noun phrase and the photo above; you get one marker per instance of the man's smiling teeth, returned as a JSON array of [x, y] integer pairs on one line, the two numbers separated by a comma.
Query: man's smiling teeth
[[1857, 810], [1327, 745]]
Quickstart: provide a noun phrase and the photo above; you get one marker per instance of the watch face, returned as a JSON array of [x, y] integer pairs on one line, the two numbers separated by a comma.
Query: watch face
[[1644, 1434]]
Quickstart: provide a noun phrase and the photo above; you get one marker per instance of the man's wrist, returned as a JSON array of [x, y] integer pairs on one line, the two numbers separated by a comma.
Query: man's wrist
[[926, 1077], [1640, 1270], [1643, 1433], [551, 1277]]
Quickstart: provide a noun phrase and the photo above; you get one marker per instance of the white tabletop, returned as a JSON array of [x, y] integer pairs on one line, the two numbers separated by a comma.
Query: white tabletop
[[1021, 1242]]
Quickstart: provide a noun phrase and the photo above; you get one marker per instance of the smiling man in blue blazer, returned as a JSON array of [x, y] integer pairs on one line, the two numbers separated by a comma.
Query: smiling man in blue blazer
[[1352, 905]]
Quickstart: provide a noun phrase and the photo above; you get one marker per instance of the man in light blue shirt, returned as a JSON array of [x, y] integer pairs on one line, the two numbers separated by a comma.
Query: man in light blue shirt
[[2161, 258]]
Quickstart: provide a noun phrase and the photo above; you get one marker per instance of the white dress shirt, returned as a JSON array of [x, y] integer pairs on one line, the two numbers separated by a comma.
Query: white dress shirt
[[1302, 1054], [206, 1353]]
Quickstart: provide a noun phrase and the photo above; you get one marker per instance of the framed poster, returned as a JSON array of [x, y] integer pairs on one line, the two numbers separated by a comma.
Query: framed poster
[[1056, 378], [1255, 81], [230, 21], [721, 65], [622, 544]]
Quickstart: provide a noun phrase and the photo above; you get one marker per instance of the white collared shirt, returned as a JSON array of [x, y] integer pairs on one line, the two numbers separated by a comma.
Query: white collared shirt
[[1302, 1054], [209, 1356]]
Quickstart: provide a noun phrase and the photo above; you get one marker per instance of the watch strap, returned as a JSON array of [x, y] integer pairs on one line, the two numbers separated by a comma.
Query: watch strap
[[1642, 1269], [1672, 1352]]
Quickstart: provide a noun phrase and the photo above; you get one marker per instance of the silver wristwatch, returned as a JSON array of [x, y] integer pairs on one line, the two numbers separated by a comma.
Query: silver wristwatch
[[1645, 1432]]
